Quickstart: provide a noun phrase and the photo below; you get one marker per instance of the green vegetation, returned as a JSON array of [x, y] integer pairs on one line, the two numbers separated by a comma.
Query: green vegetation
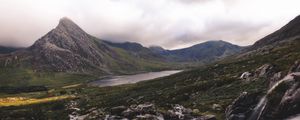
[[25, 77], [217, 83], [200, 88]]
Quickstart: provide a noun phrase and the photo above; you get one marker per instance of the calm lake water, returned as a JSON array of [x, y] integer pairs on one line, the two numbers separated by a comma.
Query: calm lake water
[[129, 79]]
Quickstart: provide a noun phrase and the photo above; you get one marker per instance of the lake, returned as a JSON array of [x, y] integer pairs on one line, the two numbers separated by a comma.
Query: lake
[[129, 79]]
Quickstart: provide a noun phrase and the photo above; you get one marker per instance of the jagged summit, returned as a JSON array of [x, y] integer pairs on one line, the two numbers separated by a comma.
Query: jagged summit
[[67, 25], [66, 35], [67, 48]]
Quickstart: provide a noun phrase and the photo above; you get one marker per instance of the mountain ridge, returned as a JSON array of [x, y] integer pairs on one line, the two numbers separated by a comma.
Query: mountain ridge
[[291, 29], [203, 52]]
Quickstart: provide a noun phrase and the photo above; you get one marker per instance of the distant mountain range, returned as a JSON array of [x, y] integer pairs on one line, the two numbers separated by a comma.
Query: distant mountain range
[[204, 52], [5, 50], [67, 54], [68, 48]]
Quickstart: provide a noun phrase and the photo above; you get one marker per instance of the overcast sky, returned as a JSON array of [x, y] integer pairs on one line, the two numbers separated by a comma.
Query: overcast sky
[[167, 23]]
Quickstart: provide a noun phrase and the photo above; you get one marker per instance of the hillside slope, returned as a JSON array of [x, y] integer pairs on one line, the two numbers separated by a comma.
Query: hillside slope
[[289, 31], [211, 89]]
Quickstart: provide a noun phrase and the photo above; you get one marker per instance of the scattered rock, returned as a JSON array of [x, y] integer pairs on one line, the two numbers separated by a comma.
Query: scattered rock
[[217, 107], [265, 70], [118, 110], [196, 111], [246, 76], [148, 111], [209, 117]]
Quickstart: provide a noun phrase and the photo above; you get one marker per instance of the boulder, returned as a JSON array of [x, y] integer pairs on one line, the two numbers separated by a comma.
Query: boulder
[[129, 113], [265, 70], [295, 67], [246, 76], [289, 104], [145, 108], [242, 106], [216, 107], [209, 117], [117, 110], [281, 101], [180, 113], [275, 78]]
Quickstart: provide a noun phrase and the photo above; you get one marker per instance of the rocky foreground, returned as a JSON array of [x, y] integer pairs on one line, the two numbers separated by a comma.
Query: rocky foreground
[[281, 101], [147, 111]]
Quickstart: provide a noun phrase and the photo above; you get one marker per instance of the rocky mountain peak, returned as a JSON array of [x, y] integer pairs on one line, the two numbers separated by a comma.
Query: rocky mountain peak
[[66, 35], [68, 26], [67, 48]]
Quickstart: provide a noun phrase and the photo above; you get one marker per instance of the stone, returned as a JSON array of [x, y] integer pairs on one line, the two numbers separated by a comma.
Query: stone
[[242, 106], [145, 108], [264, 71], [210, 117], [117, 110], [246, 75], [196, 111], [276, 77], [129, 113], [217, 107], [295, 67]]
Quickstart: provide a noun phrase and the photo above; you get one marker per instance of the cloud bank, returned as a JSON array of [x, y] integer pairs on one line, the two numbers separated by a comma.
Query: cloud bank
[[168, 23]]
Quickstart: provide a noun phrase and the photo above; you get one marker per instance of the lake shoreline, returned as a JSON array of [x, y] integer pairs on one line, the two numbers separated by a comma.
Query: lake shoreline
[[130, 79]]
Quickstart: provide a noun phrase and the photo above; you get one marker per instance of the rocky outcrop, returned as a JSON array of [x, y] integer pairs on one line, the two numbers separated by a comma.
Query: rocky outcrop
[[295, 67], [247, 76], [289, 104], [68, 48], [281, 101], [266, 70], [242, 107]]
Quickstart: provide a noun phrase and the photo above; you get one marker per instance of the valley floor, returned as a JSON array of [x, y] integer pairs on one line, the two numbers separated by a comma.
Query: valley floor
[[205, 91]]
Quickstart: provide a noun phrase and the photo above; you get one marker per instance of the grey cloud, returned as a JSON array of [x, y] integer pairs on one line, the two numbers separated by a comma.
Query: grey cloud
[[168, 23]]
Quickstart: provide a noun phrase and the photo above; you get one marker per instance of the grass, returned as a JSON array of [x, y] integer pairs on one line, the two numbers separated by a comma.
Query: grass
[[12, 76], [19, 101], [200, 88]]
